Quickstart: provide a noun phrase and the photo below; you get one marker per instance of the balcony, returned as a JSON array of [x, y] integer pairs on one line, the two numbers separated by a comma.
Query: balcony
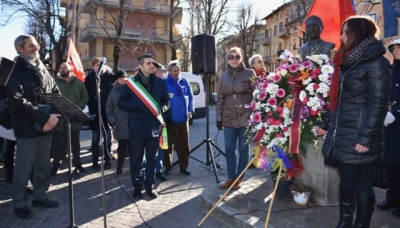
[[87, 7], [91, 32], [266, 41], [283, 34]]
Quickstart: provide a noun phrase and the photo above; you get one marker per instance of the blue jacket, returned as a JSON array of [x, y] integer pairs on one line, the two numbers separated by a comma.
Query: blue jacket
[[142, 123], [181, 104]]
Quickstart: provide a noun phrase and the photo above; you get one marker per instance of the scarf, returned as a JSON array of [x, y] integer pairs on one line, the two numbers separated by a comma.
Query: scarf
[[260, 73], [174, 81], [350, 58], [38, 66]]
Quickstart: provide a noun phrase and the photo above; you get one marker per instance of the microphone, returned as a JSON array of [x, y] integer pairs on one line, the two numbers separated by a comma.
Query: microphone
[[103, 61]]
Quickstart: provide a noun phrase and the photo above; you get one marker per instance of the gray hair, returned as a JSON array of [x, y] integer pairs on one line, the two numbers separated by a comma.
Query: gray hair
[[172, 64], [20, 41], [253, 59]]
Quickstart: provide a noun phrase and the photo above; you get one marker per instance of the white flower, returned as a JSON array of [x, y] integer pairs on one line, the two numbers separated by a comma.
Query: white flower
[[323, 88], [308, 80], [323, 78], [255, 93], [310, 88], [327, 69], [301, 68], [272, 89], [302, 95], [284, 72]]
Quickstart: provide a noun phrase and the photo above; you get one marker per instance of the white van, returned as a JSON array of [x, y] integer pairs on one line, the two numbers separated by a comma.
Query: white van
[[199, 95]]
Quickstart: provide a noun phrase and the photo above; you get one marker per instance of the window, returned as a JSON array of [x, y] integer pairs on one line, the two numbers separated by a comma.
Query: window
[[195, 88], [373, 16], [275, 30]]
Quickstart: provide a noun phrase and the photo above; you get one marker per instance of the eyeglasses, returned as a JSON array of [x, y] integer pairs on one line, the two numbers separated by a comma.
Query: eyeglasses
[[232, 57], [259, 61]]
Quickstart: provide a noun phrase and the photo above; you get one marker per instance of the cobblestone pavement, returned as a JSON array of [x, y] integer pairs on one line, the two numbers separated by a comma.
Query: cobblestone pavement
[[178, 204], [183, 200]]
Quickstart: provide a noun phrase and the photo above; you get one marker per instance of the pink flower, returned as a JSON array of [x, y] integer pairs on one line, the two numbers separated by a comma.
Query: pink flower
[[285, 129], [253, 105], [293, 68], [315, 86], [276, 78], [279, 109], [314, 113], [278, 135], [264, 86], [272, 101], [280, 93], [307, 64], [305, 100], [257, 117], [262, 95]]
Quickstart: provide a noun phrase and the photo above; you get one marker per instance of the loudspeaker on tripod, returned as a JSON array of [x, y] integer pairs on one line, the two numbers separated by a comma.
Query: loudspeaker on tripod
[[203, 54]]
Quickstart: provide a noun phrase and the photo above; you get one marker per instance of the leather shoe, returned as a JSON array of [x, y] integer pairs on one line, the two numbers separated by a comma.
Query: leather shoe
[[386, 204], [23, 213], [396, 212], [167, 172], [226, 184], [44, 203], [238, 185], [186, 172], [137, 193], [152, 193], [161, 177], [107, 165], [80, 168], [54, 171]]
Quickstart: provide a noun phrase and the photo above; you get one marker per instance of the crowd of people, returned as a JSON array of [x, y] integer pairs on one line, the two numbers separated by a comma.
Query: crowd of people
[[362, 118]]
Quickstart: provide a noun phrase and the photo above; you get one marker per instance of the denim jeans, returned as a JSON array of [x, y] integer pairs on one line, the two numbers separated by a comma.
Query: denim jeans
[[234, 138], [96, 143]]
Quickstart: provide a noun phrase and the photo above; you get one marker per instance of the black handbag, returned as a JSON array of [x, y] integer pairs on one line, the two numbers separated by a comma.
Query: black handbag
[[5, 113]]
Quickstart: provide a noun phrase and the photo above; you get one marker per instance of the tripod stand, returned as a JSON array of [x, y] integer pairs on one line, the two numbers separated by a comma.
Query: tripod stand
[[66, 108], [207, 140]]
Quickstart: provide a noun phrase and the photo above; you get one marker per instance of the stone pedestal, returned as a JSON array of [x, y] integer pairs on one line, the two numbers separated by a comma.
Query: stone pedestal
[[323, 179]]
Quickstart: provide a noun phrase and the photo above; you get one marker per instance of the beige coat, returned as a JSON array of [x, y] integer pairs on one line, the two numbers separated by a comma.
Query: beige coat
[[234, 92]]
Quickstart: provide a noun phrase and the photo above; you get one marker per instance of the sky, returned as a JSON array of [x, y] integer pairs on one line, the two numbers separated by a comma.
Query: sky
[[16, 27]]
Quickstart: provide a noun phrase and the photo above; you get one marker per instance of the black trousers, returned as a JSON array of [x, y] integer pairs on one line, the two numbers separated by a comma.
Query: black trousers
[[138, 148], [393, 181], [59, 145]]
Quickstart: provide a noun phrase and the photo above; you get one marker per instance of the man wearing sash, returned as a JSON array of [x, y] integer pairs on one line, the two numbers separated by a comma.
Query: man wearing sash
[[145, 98]]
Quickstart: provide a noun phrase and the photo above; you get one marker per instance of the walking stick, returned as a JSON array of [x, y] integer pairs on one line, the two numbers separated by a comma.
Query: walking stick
[[227, 191], [274, 193]]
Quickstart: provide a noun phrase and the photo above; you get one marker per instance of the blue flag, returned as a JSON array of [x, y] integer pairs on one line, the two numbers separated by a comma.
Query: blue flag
[[391, 11], [281, 154]]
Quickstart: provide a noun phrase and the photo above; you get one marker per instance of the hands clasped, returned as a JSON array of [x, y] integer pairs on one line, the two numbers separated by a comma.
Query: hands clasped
[[51, 122]]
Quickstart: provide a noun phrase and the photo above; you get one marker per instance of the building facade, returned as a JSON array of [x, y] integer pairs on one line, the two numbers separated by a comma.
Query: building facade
[[146, 29]]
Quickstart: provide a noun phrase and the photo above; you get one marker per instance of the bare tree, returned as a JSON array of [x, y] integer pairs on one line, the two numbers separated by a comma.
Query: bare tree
[[175, 11], [248, 29], [117, 17], [35, 28], [52, 20]]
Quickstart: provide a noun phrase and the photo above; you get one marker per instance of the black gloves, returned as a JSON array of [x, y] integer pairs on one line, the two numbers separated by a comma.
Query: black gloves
[[219, 125]]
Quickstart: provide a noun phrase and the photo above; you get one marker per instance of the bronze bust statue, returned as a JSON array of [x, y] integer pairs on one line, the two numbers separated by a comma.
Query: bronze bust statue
[[315, 45]]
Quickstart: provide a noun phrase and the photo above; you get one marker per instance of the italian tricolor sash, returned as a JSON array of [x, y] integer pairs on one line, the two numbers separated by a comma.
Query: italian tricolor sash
[[144, 96]]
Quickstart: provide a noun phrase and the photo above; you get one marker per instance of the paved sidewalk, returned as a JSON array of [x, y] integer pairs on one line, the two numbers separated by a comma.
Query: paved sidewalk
[[248, 206], [183, 200], [178, 204]]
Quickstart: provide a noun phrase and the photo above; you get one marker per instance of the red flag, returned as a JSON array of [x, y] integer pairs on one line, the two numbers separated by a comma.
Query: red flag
[[332, 14], [75, 62]]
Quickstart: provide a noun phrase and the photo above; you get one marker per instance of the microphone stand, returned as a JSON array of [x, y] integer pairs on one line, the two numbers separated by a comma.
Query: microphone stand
[[101, 147]]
